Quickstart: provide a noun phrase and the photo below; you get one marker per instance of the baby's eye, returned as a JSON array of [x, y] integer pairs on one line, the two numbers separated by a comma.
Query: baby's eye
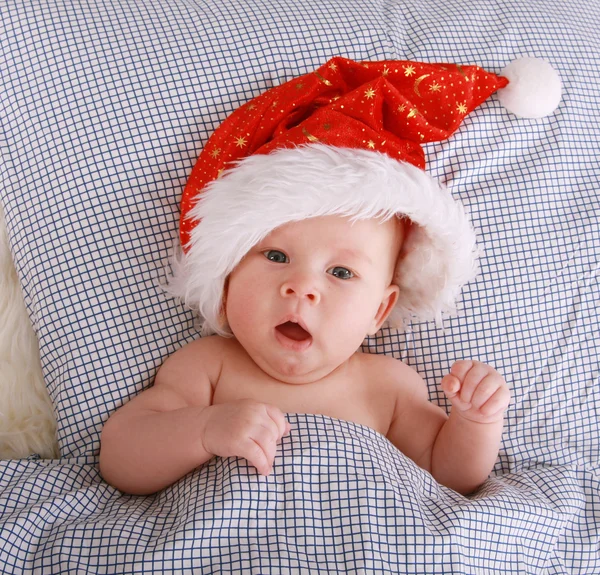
[[341, 273], [276, 256]]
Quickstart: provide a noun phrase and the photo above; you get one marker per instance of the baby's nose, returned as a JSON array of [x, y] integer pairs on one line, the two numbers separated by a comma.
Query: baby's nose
[[301, 287]]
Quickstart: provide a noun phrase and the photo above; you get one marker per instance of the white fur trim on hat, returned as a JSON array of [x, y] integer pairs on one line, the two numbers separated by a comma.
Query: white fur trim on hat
[[263, 192]]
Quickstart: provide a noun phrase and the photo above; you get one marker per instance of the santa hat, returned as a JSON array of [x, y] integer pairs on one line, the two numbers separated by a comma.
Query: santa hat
[[345, 140]]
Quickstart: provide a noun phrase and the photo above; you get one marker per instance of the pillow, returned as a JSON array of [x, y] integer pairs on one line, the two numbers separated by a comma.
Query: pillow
[[107, 104]]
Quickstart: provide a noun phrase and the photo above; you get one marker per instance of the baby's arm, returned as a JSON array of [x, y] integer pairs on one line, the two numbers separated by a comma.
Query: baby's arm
[[472, 434], [460, 450], [172, 428]]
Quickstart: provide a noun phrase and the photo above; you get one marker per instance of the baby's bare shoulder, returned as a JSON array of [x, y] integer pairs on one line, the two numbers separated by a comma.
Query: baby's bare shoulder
[[193, 366], [391, 378], [391, 371]]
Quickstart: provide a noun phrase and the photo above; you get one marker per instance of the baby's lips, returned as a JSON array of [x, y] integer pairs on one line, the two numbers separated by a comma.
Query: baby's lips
[[293, 330]]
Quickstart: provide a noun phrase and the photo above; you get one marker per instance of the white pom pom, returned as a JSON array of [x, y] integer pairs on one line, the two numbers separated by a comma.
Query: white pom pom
[[534, 88]]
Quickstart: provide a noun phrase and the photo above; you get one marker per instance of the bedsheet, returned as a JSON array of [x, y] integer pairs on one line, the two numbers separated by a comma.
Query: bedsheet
[[341, 499]]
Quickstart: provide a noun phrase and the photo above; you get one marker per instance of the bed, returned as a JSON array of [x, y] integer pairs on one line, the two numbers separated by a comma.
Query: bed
[[105, 106]]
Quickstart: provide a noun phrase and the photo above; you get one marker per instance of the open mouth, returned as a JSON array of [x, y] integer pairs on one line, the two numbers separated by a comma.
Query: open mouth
[[293, 336], [293, 331]]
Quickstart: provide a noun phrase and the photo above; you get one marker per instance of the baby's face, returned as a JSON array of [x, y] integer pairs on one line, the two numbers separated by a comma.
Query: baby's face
[[303, 299]]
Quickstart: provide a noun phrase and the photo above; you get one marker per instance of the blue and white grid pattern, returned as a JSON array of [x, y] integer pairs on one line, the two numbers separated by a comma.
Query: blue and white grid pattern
[[104, 107], [341, 499]]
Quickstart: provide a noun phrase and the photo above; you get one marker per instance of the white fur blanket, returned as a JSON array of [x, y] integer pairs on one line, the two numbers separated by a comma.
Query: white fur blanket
[[27, 423]]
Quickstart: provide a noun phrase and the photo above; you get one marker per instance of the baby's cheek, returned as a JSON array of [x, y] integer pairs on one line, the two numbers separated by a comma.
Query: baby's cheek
[[237, 310], [353, 324]]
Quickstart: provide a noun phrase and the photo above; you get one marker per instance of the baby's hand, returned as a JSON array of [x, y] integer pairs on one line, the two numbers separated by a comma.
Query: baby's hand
[[477, 391], [245, 428]]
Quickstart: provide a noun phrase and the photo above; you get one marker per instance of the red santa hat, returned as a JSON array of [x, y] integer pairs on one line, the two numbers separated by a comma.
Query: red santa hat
[[345, 140]]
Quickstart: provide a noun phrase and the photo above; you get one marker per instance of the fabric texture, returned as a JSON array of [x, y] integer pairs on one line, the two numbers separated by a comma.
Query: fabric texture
[[341, 499], [105, 106]]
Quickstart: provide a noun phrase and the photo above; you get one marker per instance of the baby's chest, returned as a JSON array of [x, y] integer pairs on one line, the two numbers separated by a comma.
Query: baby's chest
[[352, 401]]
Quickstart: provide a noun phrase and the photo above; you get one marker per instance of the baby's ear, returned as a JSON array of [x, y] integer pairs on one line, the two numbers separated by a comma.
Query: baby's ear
[[390, 297], [223, 310]]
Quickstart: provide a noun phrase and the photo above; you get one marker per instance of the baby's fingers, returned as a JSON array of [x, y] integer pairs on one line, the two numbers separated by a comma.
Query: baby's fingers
[[451, 387], [255, 453], [497, 402], [473, 379], [486, 388], [277, 416], [266, 438]]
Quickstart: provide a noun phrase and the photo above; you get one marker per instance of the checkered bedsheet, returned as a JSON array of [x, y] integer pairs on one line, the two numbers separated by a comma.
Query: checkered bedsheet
[[341, 499]]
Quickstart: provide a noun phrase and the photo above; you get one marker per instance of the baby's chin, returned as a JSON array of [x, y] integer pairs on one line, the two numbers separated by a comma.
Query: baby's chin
[[294, 371]]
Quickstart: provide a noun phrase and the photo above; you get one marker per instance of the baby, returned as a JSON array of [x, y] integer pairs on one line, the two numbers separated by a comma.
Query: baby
[[307, 221], [299, 305]]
